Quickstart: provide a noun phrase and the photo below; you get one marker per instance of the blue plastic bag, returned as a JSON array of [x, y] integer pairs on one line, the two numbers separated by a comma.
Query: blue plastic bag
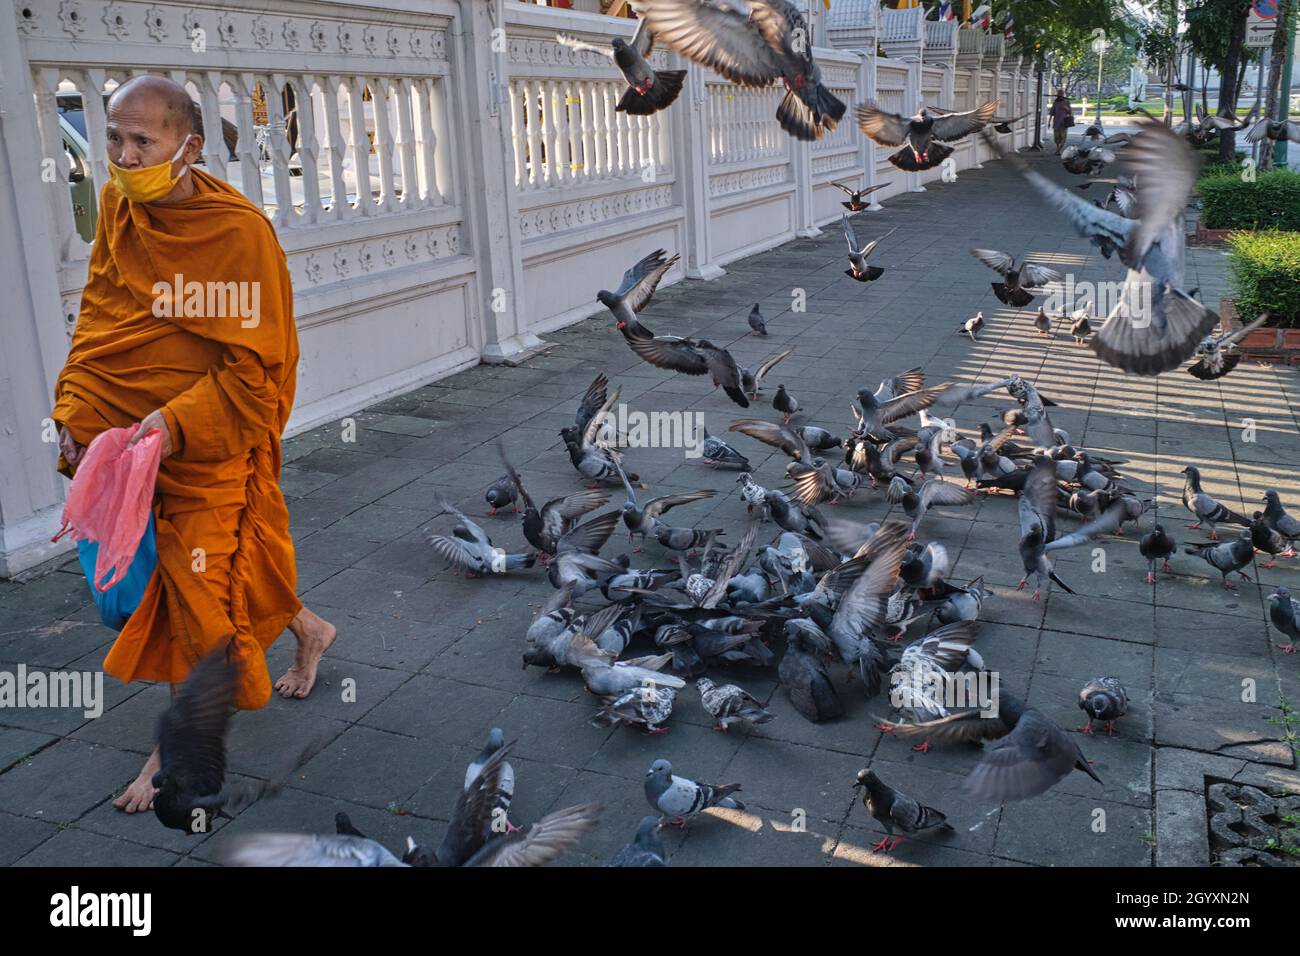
[[120, 601]]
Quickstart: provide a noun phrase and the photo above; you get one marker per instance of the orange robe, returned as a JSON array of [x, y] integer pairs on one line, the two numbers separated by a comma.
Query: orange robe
[[225, 384]]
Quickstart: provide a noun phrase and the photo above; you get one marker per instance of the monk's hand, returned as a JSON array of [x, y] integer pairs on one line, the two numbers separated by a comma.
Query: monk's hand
[[151, 421], [69, 447]]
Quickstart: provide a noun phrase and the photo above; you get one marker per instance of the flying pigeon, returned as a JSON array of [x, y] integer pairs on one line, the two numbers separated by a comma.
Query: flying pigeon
[[649, 90], [470, 549], [855, 203], [1155, 325], [918, 134], [303, 849], [636, 289], [1217, 355], [858, 268], [750, 381], [1029, 753], [1018, 284], [751, 44]]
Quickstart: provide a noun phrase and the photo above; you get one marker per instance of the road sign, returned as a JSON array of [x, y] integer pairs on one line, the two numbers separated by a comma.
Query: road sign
[[1261, 23]]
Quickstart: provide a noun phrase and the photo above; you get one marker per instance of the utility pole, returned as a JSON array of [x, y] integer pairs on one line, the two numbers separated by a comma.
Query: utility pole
[[1284, 93]]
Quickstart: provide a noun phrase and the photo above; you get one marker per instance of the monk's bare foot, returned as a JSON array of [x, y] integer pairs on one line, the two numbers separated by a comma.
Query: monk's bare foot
[[315, 635], [138, 797]]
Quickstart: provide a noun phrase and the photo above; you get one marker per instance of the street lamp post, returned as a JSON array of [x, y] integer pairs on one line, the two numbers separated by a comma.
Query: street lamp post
[[1099, 47]]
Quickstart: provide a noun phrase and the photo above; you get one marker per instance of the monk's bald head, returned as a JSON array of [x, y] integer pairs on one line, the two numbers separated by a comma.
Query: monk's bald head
[[148, 119]]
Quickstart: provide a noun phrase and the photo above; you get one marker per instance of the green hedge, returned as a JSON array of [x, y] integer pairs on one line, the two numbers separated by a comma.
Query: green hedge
[[1272, 201], [1265, 268]]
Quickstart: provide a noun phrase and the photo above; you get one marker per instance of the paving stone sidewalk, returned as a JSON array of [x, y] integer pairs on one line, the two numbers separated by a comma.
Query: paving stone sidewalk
[[436, 658]]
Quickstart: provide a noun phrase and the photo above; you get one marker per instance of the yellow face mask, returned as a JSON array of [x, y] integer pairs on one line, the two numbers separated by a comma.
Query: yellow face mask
[[149, 183]]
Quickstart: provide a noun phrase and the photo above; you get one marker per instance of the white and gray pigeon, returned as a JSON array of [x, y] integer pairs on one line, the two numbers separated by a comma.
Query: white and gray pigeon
[[973, 326], [303, 849], [728, 704], [963, 604], [1103, 698], [682, 798], [859, 268], [752, 380], [1020, 284], [470, 549], [648, 707], [646, 849], [1217, 355], [1205, 509]]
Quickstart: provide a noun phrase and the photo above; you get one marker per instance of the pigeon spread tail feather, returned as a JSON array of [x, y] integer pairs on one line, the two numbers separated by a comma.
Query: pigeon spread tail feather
[[907, 160], [806, 121], [665, 90]]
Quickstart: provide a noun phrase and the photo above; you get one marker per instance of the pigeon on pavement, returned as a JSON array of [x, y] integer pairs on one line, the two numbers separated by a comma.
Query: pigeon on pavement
[[1103, 698], [896, 811], [682, 798], [647, 849]]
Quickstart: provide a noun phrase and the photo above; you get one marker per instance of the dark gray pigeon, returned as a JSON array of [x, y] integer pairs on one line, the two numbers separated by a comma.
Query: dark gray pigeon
[[683, 799], [719, 454], [646, 849], [896, 811], [756, 321], [1284, 612], [1278, 519], [751, 44], [917, 134], [785, 403], [1226, 558], [1029, 753], [1018, 285], [1103, 698], [1157, 546], [502, 492]]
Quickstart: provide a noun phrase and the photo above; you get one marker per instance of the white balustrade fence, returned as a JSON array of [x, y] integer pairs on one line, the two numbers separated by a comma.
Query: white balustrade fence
[[448, 181]]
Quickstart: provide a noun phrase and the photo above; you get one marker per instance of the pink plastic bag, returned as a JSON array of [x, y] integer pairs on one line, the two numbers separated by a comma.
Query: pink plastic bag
[[111, 497]]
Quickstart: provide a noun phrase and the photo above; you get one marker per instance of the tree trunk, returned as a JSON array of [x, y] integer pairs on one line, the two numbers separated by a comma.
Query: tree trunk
[[1277, 58], [1229, 82]]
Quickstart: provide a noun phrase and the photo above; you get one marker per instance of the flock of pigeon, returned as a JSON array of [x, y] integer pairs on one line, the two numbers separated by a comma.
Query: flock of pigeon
[[827, 596]]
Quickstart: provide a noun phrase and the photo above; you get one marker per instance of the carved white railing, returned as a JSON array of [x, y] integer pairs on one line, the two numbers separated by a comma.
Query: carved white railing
[[940, 36], [839, 150], [932, 87], [372, 144], [902, 25], [853, 24], [741, 125]]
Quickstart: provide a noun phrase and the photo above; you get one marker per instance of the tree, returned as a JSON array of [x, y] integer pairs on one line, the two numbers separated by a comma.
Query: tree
[[1079, 69], [1230, 79], [1277, 56]]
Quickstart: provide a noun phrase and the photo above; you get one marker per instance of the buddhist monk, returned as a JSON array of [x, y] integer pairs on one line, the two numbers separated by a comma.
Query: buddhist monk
[[214, 374]]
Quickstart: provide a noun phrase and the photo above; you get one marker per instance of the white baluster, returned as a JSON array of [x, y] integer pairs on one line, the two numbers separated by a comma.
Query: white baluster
[[439, 141], [45, 83], [359, 146], [340, 208], [308, 149], [92, 101], [273, 94], [250, 169], [214, 144], [382, 104], [405, 148], [516, 139], [534, 118]]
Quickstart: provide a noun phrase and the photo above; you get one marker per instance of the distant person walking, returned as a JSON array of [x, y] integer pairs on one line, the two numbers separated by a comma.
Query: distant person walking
[[1062, 116]]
